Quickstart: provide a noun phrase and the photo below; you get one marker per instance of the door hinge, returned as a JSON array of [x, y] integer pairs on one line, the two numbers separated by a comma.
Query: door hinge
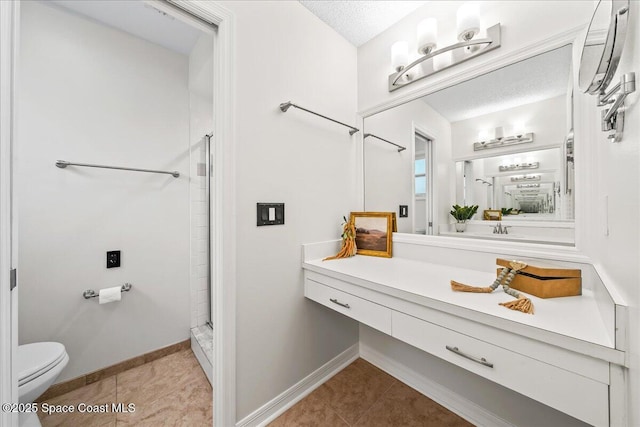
[[13, 280], [430, 224]]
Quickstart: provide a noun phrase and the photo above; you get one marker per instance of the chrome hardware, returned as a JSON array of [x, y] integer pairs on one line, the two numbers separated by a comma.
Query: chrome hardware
[[500, 229], [63, 164], [90, 293], [480, 360], [400, 147], [286, 105], [335, 301]]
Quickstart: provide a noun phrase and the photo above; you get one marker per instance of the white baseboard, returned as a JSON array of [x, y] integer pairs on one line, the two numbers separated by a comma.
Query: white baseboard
[[452, 401], [275, 407], [207, 367]]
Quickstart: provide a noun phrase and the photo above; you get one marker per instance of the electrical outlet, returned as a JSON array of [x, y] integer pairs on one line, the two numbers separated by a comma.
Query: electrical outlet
[[113, 259]]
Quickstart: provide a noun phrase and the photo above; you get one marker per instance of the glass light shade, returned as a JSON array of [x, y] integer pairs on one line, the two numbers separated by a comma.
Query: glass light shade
[[467, 21], [483, 135], [518, 129], [499, 133], [442, 60], [427, 35], [399, 55]]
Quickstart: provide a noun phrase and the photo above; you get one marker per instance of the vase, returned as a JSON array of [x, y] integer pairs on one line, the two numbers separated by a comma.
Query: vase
[[461, 226]]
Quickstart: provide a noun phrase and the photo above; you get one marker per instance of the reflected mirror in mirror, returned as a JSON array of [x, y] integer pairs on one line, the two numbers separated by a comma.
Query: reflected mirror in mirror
[[502, 141]]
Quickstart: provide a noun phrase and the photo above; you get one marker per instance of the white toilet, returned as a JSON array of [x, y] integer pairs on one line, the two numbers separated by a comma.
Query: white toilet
[[37, 367]]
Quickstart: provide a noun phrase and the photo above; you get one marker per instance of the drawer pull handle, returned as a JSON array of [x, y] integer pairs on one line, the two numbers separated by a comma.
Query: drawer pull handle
[[335, 301], [480, 360]]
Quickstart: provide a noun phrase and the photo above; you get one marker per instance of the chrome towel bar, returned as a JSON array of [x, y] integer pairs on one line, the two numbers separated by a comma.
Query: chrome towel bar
[[400, 147], [286, 105], [90, 293], [63, 164]]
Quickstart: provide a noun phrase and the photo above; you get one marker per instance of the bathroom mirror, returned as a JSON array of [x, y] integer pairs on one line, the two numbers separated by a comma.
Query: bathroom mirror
[[502, 141], [603, 45]]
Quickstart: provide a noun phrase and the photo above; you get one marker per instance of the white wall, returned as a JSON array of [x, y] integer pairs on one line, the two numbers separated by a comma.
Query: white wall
[[283, 53], [615, 175], [546, 119], [89, 93], [389, 174], [607, 171], [201, 124]]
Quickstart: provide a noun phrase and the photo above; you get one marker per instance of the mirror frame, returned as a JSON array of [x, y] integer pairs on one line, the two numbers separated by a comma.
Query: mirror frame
[[572, 36], [612, 49]]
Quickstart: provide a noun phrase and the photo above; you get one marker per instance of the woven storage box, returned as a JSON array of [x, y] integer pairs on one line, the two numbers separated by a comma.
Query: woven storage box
[[546, 282]]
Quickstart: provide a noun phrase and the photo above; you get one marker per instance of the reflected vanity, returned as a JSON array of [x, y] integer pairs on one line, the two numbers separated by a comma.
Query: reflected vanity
[[502, 141]]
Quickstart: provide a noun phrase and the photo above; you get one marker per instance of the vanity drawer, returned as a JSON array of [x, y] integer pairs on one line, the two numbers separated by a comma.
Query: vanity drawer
[[576, 395], [364, 311]]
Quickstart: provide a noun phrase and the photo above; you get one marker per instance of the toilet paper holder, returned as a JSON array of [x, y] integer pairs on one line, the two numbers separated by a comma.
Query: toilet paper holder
[[90, 293]]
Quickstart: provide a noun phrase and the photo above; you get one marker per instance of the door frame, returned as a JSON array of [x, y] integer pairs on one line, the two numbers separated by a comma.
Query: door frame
[[9, 15], [223, 223], [223, 207]]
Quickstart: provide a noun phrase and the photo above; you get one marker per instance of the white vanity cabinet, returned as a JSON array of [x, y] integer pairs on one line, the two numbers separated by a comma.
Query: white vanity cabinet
[[563, 356]]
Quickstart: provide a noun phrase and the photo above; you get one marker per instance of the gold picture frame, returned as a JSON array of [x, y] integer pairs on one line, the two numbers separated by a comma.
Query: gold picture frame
[[492, 215], [374, 233]]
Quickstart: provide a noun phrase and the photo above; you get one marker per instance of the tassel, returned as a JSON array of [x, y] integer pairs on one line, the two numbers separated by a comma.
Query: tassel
[[521, 304], [460, 287], [349, 247]]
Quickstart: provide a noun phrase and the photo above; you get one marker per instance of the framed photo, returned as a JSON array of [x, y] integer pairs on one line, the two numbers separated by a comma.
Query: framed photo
[[492, 215], [373, 232]]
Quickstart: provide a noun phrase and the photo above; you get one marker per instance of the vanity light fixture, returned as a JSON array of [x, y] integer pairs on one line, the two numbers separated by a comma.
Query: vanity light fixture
[[503, 142], [519, 166], [525, 178], [528, 185], [469, 46]]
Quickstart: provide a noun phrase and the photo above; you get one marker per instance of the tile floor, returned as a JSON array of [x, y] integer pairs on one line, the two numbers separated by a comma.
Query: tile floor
[[363, 395], [171, 391]]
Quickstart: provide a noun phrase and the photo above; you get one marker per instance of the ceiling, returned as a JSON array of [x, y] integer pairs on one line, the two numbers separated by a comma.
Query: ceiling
[[360, 21], [535, 79], [139, 19]]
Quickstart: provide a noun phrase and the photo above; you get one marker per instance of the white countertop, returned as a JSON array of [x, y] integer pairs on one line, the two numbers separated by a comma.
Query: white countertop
[[429, 284]]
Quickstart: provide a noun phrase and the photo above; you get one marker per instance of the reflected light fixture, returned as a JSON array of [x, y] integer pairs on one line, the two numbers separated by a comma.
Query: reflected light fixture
[[469, 46], [525, 178], [503, 141], [519, 166], [528, 185]]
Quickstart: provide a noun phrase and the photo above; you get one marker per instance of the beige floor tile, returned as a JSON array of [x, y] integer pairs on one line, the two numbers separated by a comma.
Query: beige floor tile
[[160, 377], [189, 405], [403, 406], [312, 411], [352, 391], [98, 393]]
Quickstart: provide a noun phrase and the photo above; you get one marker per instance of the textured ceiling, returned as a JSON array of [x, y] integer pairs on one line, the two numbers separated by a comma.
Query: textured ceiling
[[360, 21], [535, 79], [139, 19]]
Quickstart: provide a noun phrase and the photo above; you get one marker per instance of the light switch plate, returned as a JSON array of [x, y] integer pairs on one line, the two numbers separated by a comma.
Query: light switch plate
[[270, 214], [403, 211]]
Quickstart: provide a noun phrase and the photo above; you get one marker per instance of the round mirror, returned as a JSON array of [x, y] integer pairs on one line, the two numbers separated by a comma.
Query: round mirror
[[603, 45]]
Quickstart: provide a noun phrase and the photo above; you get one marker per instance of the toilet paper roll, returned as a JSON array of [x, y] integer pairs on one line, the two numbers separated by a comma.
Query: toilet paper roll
[[110, 295]]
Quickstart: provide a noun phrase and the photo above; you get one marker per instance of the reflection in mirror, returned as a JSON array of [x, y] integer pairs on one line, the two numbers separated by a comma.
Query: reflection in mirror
[[502, 141]]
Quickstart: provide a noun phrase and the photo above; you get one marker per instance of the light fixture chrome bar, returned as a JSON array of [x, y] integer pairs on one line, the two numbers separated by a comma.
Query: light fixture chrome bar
[[286, 105], [400, 147], [521, 166], [503, 142], [491, 42], [525, 178], [528, 186], [63, 164]]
